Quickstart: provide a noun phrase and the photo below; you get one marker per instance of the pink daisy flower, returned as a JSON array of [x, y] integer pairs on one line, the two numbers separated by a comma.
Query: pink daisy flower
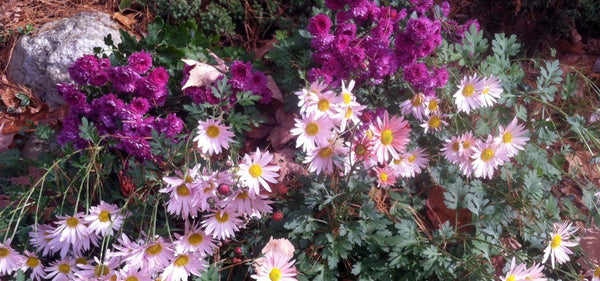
[[309, 96], [275, 267], [155, 256], [432, 105], [512, 139], [558, 247], [467, 97], [40, 238], [322, 159], [133, 275], [71, 231], [213, 137], [10, 260], [104, 219], [194, 240], [414, 106], [459, 149], [312, 131], [260, 204], [534, 273], [391, 136], [413, 162], [183, 198], [386, 176], [326, 103], [361, 152], [486, 158], [256, 171], [350, 110], [183, 265], [434, 123], [515, 272], [37, 268], [61, 270], [98, 270], [491, 91], [222, 224]]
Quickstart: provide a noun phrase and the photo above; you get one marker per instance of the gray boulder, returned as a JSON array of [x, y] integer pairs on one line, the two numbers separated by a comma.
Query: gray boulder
[[41, 61]]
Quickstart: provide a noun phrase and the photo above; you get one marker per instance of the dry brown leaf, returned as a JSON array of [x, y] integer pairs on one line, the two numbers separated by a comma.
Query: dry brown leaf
[[589, 241], [33, 174], [287, 166], [281, 133], [202, 74], [6, 139], [510, 243], [580, 163], [438, 212], [266, 47], [126, 20], [271, 85], [15, 123]]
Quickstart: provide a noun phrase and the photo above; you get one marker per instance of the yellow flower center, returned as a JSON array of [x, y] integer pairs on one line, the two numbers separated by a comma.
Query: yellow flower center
[[597, 272], [369, 134], [383, 176], [72, 222], [485, 90], [556, 240], [104, 216], [487, 155], [132, 278], [243, 195], [466, 144], [325, 152], [195, 239], [182, 190], [434, 122], [81, 261], [456, 146], [212, 131], [113, 277], [468, 90], [210, 187], [222, 217], [312, 129], [188, 179], [417, 101], [397, 161], [275, 274], [387, 137], [348, 113], [255, 171], [4, 252], [511, 278], [323, 105], [360, 150], [101, 270], [64, 268], [347, 98], [507, 138], [433, 105], [412, 158], [154, 249], [32, 262], [182, 260]]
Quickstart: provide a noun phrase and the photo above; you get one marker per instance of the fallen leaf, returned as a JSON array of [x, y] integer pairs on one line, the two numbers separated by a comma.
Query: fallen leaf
[[6, 139], [580, 163], [16, 122], [33, 174], [266, 47], [271, 85], [439, 214], [202, 74], [126, 20], [284, 159], [589, 241], [281, 132]]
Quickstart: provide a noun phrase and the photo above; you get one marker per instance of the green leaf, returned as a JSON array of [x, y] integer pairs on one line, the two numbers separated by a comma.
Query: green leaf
[[125, 4]]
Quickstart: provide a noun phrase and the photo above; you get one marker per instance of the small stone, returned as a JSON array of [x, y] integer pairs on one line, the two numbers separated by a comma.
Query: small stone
[[597, 66], [42, 60]]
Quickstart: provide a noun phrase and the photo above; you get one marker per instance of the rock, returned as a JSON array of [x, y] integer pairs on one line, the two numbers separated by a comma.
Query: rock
[[41, 61], [597, 66]]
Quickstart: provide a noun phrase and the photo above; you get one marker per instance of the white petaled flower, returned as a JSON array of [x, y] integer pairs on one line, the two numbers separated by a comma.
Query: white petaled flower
[[415, 106], [467, 97], [61, 270], [512, 138], [10, 260], [432, 105], [486, 157], [183, 195], [309, 96], [133, 275], [99, 270], [349, 110], [256, 171], [534, 273], [312, 131], [434, 123], [213, 137], [104, 218], [183, 265], [274, 267], [491, 91], [194, 240], [413, 162], [515, 272], [72, 232], [153, 256], [326, 103], [40, 238], [558, 246], [222, 224], [323, 159]]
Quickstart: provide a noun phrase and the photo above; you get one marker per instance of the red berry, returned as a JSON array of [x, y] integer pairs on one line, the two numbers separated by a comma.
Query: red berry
[[283, 189], [237, 260], [223, 189], [238, 251], [277, 216]]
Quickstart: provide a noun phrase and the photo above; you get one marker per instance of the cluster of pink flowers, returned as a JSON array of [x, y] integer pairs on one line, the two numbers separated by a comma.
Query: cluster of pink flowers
[[334, 132], [475, 92], [362, 44], [243, 79], [123, 114], [481, 157]]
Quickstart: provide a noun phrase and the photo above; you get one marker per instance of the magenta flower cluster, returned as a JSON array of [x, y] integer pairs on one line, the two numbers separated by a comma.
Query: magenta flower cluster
[[243, 79], [122, 112], [368, 44]]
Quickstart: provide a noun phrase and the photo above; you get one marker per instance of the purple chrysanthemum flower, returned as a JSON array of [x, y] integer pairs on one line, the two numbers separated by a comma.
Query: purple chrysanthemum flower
[[124, 79], [83, 69], [319, 25], [140, 62]]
